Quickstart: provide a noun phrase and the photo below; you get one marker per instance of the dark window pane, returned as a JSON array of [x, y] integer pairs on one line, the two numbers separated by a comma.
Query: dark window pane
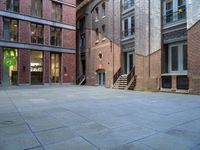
[[36, 8], [56, 11], [167, 82], [182, 82], [184, 57], [174, 58], [10, 29], [37, 33], [55, 36], [12, 5]]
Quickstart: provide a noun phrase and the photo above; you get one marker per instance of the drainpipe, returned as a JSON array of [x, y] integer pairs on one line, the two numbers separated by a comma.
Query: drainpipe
[[149, 35], [113, 49]]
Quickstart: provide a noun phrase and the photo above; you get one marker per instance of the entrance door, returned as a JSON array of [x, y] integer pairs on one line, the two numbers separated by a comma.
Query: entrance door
[[101, 78], [129, 63], [55, 67], [10, 73]]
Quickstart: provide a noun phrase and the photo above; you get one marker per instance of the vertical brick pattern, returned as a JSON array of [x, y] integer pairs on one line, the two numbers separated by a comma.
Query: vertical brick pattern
[[69, 15], [69, 39], [24, 31], [47, 67], [2, 4], [46, 35], [47, 6], [193, 58], [25, 7], [69, 67], [24, 66]]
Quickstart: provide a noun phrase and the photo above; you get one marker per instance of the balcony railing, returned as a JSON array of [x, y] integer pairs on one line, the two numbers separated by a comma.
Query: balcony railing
[[128, 33], [127, 5], [174, 17]]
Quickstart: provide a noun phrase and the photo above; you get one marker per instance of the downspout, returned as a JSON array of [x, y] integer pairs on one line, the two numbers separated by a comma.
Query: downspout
[[149, 35], [113, 49]]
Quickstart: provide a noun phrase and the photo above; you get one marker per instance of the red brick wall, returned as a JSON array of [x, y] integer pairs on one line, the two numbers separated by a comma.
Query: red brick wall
[[70, 2], [69, 38], [145, 80], [69, 15], [46, 35], [1, 67], [47, 67], [2, 4], [47, 7], [24, 61], [24, 31], [193, 58], [69, 67], [25, 7]]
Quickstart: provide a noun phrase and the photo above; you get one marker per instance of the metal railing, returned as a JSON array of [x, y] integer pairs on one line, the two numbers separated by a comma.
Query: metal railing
[[127, 33], [117, 75], [127, 5], [174, 17], [80, 79], [130, 75]]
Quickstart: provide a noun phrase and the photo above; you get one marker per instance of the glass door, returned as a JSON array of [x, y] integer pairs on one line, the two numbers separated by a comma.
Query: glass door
[[130, 62], [10, 73], [101, 78], [55, 68]]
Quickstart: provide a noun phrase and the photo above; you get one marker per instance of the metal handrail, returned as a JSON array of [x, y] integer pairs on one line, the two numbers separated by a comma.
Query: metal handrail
[[117, 75], [174, 17], [130, 75], [127, 33], [127, 5]]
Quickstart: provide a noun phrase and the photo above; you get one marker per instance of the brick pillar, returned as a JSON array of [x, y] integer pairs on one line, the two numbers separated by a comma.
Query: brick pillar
[[46, 67], [46, 35], [68, 67], [1, 27], [24, 66], [173, 83]]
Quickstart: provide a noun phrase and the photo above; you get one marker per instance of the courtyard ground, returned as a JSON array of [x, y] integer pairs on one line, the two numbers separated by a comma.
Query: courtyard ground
[[89, 118]]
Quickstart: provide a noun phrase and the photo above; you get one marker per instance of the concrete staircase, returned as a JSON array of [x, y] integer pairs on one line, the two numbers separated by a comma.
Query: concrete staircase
[[121, 82]]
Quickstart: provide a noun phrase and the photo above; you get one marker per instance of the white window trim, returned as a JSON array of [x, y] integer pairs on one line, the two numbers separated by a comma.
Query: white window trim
[[180, 58]]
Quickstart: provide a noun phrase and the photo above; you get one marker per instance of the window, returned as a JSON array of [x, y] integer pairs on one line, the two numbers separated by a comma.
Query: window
[[96, 14], [125, 27], [169, 11], [103, 10], [10, 29], [37, 33], [178, 58], [181, 9], [56, 11], [132, 25], [12, 5], [103, 32], [36, 8], [55, 36], [97, 35]]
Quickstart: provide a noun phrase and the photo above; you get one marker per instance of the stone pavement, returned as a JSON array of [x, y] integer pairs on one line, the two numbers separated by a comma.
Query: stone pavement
[[89, 118]]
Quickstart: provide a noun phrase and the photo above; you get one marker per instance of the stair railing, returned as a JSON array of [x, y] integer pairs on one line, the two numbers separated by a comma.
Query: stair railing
[[117, 75], [130, 75], [80, 79]]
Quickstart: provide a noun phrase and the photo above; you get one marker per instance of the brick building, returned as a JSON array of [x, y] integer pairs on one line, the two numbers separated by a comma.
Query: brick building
[[159, 45], [98, 41], [37, 41]]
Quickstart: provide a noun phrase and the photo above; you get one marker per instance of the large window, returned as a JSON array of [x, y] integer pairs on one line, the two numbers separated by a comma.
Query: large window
[[174, 10], [56, 11], [36, 8], [10, 29], [128, 27], [177, 58], [55, 36], [37, 33], [12, 5], [36, 67]]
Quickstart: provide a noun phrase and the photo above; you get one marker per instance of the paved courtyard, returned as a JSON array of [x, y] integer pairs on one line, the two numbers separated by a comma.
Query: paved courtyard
[[89, 118]]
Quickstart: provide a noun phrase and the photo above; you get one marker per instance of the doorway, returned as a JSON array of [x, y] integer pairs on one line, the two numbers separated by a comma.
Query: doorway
[[101, 77], [129, 62], [10, 65], [55, 67]]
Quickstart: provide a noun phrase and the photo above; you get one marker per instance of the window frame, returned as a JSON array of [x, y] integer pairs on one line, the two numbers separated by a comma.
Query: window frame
[[37, 35], [34, 10], [57, 44], [55, 14], [10, 29], [12, 7], [180, 58]]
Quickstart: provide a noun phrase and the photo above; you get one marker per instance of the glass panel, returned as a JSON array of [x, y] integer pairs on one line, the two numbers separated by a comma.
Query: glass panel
[[185, 57], [6, 29], [132, 25], [130, 61], [55, 68], [174, 58], [36, 67], [10, 29], [36, 8], [10, 74]]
